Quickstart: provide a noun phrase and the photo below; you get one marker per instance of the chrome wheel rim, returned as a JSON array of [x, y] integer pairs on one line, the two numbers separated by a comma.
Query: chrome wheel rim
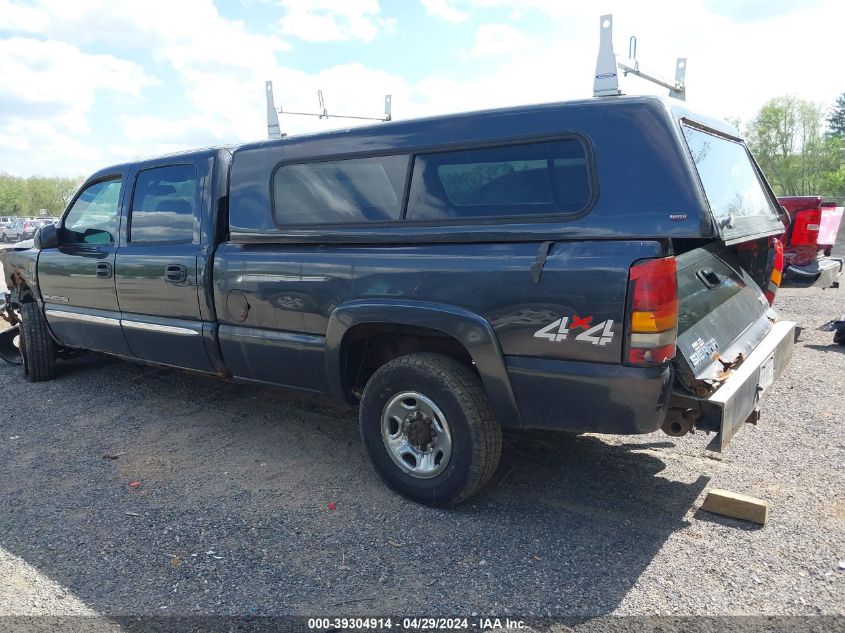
[[416, 435]]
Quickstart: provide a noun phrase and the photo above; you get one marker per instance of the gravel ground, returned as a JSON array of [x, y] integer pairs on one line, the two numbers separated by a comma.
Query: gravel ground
[[232, 516]]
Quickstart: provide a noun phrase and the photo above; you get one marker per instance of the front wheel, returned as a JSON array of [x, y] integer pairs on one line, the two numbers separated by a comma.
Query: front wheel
[[429, 429], [36, 345]]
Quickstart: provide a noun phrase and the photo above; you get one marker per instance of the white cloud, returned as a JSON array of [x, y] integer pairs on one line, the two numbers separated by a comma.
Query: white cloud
[[48, 82], [57, 82], [493, 40], [21, 17], [45, 148], [548, 7], [445, 10], [334, 20], [47, 88]]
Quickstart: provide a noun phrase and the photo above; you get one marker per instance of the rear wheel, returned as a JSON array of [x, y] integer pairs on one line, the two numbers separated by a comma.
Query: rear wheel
[[429, 428], [37, 348]]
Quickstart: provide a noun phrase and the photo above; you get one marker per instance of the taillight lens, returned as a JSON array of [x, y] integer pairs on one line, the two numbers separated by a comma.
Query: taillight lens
[[805, 227], [776, 253], [653, 325]]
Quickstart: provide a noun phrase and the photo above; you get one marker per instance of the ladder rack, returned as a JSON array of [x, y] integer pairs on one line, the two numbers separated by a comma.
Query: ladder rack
[[274, 131], [606, 81]]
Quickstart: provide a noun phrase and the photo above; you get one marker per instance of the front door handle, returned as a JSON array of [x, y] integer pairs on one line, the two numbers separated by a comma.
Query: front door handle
[[176, 274], [104, 270]]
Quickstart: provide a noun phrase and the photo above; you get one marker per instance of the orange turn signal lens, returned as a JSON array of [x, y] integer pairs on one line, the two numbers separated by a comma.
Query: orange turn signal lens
[[654, 321]]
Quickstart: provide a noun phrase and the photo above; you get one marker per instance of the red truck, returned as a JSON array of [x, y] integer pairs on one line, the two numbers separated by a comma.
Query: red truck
[[809, 240]]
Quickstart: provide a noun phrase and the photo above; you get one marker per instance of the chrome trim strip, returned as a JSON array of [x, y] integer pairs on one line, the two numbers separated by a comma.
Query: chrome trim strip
[[239, 332], [162, 329], [78, 316]]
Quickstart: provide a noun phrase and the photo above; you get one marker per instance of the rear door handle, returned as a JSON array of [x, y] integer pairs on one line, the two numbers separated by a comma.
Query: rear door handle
[[104, 270], [176, 274]]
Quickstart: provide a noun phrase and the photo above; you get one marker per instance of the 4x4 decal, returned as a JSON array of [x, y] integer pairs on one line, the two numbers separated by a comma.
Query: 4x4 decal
[[559, 330]]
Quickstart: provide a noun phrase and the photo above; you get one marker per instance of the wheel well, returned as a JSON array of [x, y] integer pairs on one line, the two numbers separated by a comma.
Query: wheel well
[[368, 346], [19, 291]]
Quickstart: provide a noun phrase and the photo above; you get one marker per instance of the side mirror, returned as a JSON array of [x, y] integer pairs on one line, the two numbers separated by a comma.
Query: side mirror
[[46, 237]]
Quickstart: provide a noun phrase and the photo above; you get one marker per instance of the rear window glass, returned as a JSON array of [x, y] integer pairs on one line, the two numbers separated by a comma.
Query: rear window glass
[[164, 205], [342, 191], [730, 181], [535, 178]]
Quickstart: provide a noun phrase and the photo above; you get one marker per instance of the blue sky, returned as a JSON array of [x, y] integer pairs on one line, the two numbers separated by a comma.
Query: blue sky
[[86, 83]]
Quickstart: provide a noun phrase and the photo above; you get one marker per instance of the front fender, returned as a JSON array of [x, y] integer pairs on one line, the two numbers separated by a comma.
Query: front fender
[[19, 269], [471, 330]]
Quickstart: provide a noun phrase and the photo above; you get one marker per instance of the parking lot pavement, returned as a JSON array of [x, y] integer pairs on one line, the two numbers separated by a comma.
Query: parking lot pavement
[[231, 511]]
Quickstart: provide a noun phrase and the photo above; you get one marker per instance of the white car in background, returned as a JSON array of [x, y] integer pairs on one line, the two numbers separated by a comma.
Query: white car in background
[[14, 231]]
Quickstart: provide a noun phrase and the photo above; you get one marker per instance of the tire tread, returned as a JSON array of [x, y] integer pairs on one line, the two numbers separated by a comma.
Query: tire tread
[[38, 348]]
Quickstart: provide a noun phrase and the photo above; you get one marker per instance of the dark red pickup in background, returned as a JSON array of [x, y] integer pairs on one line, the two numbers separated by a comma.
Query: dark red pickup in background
[[811, 254]]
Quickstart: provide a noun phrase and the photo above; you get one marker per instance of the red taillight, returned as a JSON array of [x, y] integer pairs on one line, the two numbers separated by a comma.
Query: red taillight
[[653, 323], [805, 227], [777, 271]]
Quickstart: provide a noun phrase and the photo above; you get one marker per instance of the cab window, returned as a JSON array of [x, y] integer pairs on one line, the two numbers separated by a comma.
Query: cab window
[[93, 218]]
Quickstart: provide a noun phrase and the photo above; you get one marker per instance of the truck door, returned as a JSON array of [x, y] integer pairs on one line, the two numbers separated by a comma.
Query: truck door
[[156, 266], [76, 279]]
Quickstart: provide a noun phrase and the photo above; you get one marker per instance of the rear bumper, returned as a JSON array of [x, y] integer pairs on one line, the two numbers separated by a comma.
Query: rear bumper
[[821, 274], [583, 397], [736, 400]]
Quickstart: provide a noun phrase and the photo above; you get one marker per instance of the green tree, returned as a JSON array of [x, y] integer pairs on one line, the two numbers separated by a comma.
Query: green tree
[[836, 118], [28, 196], [771, 137], [789, 142]]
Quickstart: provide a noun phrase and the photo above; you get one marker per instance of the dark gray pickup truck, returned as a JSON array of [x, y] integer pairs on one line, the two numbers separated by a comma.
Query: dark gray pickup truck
[[593, 266]]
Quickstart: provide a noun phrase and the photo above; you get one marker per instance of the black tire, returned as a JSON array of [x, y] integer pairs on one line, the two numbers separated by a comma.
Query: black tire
[[37, 347], [476, 436]]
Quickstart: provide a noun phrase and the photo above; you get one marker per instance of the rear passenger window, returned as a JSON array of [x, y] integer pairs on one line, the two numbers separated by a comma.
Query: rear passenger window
[[341, 191], [164, 205], [536, 178]]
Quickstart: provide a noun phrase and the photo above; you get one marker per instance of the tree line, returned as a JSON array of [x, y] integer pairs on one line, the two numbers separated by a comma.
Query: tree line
[[26, 197], [799, 144]]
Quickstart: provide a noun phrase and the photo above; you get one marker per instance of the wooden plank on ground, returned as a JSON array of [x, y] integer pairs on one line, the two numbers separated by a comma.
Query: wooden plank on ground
[[737, 506]]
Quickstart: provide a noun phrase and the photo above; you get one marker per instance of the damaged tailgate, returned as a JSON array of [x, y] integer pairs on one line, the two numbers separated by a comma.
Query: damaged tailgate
[[730, 348]]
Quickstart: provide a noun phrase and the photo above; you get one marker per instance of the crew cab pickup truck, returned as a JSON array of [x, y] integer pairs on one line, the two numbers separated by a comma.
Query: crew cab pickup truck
[[591, 266]]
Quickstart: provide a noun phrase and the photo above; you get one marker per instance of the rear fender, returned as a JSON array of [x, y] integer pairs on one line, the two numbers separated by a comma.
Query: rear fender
[[469, 329]]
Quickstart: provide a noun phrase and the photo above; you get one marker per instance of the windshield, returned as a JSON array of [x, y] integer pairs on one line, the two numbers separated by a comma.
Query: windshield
[[730, 180]]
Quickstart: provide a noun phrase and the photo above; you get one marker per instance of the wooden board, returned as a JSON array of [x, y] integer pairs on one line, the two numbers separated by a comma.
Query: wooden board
[[737, 506]]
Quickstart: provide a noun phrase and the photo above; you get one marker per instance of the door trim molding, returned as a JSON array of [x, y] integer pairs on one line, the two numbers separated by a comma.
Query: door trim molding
[[79, 316], [161, 329], [135, 325]]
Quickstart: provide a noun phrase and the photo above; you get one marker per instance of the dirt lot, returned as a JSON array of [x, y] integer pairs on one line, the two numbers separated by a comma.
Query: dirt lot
[[231, 514]]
